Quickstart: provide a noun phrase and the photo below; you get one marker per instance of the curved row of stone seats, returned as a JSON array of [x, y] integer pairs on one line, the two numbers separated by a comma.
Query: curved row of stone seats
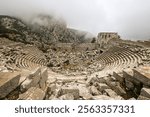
[[34, 59], [25, 84], [117, 59], [30, 59], [120, 57], [24, 63]]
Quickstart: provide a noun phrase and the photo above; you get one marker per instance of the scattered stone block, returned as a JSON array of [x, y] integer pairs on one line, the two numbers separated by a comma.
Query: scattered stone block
[[102, 87], [118, 98], [52, 89], [129, 85], [32, 80], [51, 80], [131, 99], [73, 91], [32, 93], [102, 97], [8, 82], [91, 81], [145, 92], [81, 81], [143, 75], [34, 73], [119, 77], [68, 96], [116, 87], [142, 98], [84, 93], [111, 93], [128, 75], [65, 80], [94, 91], [13, 95], [28, 83], [50, 97], [101, 80]]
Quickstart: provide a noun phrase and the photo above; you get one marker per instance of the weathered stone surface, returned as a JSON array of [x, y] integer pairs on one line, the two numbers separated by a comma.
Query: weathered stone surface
[[143, 98], [131, 99], [143, 75], [81, 81], [93, 90], [73, 91], [52, 89], [68, 96], [119, 77], [31, 81], [33, 93], [44, 77], [129, 85], [116, 87], [145, 92], [118, 98], [71, 63], [128, 75], [120, 91], [91, 80], [111, 93], [102, 87], [51, 80], [84, 93], [102, 97], [101, 80], [8, 82], [34, 73], [51, 97]]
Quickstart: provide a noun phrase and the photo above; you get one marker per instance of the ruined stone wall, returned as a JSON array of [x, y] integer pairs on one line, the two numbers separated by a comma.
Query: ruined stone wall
[[104, 37], [24, 85]]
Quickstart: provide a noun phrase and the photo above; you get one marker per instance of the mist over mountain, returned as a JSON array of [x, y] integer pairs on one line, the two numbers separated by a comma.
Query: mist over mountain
[[130, 18]]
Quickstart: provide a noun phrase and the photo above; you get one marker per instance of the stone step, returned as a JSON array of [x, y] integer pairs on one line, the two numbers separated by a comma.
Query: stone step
[[8, 82], [143, 75]]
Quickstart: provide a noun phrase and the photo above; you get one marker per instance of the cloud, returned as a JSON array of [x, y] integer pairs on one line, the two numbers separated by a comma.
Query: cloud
[[128, 17]]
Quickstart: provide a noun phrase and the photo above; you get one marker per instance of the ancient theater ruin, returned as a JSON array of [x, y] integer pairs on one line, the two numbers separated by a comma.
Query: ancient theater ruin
[[54, 62]]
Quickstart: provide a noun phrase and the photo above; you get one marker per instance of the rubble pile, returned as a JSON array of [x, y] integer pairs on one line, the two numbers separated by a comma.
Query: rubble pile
[[33, 67]]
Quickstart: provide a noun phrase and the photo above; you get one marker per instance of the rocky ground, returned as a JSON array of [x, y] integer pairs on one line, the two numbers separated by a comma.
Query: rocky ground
[[80, 71]]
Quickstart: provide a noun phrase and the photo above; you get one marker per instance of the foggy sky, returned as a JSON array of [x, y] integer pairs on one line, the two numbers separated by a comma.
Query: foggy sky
[[130, 18]]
